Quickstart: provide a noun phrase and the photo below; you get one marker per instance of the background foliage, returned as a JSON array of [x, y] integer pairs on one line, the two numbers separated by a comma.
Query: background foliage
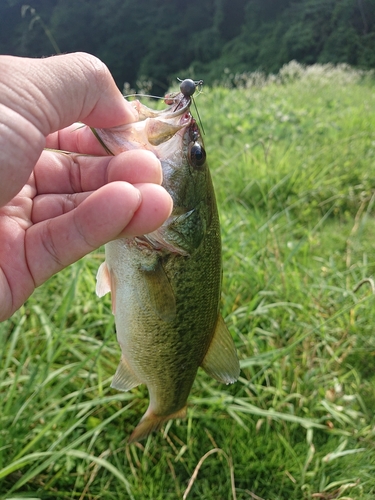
[[159, 39], [292, 158]]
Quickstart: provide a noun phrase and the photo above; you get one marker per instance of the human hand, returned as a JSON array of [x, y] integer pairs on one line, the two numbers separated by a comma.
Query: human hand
[[54, 207]]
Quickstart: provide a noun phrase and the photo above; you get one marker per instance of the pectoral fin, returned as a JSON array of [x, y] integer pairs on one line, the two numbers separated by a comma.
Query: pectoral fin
[[103, 280], [124, 379], [221, 360], [160, 293], [106, 282]]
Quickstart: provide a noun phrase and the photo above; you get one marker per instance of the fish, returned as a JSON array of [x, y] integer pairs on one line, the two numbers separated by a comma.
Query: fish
[[166, 285]]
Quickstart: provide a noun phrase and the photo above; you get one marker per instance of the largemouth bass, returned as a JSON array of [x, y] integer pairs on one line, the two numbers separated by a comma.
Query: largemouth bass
[[166, 285]]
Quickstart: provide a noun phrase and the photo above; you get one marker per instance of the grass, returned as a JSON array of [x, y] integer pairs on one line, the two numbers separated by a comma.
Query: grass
[[292, 162]]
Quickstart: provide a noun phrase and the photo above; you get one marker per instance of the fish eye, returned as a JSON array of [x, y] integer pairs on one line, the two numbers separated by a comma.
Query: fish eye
[[196, 155], [187, 87]]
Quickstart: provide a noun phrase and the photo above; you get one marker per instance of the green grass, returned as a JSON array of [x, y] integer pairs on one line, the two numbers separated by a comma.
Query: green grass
[[293, 166]]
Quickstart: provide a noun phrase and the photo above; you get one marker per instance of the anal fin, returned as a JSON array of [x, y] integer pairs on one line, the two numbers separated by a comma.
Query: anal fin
[[124, 379], [221, 361]]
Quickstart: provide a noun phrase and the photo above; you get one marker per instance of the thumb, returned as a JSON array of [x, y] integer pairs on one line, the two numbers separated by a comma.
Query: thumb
[[41, 96], [54, 92]]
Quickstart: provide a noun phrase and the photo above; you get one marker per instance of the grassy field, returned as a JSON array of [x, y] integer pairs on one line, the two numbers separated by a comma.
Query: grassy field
[[293, 164]]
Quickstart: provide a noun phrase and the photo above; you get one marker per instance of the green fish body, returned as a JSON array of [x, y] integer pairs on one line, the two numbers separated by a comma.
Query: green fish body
[[166, 285]]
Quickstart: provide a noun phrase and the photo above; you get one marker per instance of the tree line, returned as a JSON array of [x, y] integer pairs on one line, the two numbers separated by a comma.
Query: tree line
[[158, 40]]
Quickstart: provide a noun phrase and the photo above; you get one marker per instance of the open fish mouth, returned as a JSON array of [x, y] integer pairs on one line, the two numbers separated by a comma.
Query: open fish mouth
[[153, 128], [178, 102]]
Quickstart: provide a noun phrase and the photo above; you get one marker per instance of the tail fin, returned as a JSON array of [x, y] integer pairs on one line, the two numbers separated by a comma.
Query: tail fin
[[151, 422]]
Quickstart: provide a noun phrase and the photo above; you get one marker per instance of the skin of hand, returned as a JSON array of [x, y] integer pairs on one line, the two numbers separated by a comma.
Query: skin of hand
[[54, 207]]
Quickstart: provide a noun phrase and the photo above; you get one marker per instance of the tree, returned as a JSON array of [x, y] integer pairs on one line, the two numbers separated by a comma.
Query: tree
[[161, 39]]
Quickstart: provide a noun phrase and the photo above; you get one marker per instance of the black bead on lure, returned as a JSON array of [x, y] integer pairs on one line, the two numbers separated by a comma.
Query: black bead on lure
[[188, 88]]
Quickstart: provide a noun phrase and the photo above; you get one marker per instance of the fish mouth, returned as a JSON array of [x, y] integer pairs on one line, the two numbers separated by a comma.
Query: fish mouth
[[178, 104], [162, 125], [152, 130]]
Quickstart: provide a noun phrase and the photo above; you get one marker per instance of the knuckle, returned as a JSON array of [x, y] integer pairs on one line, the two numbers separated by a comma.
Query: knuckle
[[75, 174], [69, 203], [83, 234], [97, 68]]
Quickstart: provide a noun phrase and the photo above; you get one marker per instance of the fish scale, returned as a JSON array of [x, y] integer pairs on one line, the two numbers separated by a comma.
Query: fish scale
[[166, 285]]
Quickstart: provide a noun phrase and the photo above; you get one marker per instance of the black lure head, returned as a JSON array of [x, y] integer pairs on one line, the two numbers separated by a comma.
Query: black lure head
[[188, 86]]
